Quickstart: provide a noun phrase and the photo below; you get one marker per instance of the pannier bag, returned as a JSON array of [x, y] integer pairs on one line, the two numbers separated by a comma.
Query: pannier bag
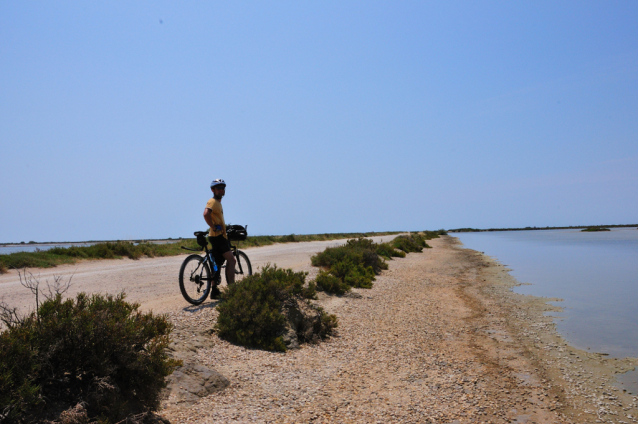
[[236, 232], [201, 238]]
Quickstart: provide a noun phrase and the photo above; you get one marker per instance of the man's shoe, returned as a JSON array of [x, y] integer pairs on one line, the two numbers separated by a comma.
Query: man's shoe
[[215, 293]]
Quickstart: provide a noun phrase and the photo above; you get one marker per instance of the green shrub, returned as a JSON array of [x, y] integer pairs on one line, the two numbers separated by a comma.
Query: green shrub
[[353, 275], [109, 250], [328, 323], [250, 313], [356, 251], [99, 350], [331, 284], [387, 251], [42, 259], [429, 235], [297, 238], [354, 264], [410, 243], [3, 268]]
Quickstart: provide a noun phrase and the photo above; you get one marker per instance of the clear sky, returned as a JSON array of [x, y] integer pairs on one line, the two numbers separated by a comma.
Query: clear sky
[[326, 116]]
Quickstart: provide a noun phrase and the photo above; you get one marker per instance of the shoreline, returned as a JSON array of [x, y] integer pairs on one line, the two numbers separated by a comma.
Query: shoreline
[[584, 382]]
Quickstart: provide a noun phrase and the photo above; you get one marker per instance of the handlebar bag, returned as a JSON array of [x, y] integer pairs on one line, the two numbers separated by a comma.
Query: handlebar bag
[[236, 232]]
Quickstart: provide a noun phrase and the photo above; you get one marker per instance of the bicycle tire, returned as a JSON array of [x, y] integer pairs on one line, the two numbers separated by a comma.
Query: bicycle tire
[[243, 268], [194, 279]]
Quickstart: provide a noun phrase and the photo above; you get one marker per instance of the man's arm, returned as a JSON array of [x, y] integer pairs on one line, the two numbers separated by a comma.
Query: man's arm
[[208, 217]]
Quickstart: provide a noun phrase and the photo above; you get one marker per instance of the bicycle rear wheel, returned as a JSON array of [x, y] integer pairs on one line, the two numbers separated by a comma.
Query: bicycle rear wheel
[[194, 279], [243, 267]]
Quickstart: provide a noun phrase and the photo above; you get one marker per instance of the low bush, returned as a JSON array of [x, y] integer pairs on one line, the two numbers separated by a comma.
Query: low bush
[[252, 311], [353, 275], [330, 284], [328, 323], [109, 250], [97, 350], [429, 235], [387, 251], [354, 264], [298, 238], [410, 243], [359, 251]]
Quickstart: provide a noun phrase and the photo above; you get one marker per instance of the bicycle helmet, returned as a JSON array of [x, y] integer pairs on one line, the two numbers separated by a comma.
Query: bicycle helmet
[[218, 182]]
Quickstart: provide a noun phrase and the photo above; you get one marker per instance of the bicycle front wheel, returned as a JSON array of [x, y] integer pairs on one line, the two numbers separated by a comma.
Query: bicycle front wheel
[[194, 279], [243, 267]]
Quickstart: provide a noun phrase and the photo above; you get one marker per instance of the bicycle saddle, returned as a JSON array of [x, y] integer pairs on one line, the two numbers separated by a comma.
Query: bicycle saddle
[[200, 233]]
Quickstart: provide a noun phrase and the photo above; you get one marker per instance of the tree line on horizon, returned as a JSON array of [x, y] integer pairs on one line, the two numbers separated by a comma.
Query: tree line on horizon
[[477, 230]]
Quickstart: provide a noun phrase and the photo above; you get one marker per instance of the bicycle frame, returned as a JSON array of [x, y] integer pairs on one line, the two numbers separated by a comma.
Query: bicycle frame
[[208, 258]]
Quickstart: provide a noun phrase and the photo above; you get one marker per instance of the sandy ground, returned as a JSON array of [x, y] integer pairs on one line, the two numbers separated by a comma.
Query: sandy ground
[[440, 338]]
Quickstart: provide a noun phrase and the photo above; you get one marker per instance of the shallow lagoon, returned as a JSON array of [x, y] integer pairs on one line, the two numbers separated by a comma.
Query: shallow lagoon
[[595, 273], [14, 248]]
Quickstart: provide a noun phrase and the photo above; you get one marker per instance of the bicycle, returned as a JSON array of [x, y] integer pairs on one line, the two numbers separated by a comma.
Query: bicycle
[[195, 276]]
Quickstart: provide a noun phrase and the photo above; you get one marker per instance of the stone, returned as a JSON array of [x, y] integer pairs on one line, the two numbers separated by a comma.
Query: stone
[[303, 322], [191, 382]]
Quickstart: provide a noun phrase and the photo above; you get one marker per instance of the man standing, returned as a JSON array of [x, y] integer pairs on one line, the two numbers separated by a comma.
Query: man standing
[[214, 216]]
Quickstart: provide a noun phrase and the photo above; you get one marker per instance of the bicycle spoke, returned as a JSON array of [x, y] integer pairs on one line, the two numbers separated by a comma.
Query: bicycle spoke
[[194, 279]]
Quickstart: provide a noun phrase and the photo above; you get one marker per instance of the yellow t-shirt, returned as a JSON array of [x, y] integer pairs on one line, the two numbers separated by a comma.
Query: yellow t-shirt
[[217, 216]]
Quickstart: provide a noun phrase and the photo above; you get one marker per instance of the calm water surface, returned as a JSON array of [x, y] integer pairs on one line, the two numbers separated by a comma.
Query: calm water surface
[[13, 248], [5, 250], [596, 275]]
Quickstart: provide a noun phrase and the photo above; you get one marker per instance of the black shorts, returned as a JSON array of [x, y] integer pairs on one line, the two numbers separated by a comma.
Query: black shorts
[[220, 245]]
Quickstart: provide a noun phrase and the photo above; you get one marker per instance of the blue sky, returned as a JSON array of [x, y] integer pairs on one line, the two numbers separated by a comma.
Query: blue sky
[[321, 116]]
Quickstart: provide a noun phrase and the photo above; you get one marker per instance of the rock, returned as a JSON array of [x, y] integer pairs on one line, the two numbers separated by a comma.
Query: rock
[[191, 382], [303, 322]]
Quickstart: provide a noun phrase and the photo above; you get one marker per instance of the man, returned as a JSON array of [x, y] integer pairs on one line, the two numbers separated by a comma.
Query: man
[[214, 216]]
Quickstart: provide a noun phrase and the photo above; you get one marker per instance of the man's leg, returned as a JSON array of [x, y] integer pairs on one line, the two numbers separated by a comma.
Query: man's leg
[[230, 267]]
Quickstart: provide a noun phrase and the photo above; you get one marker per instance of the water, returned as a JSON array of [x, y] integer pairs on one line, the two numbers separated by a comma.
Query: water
[[596, 275], [13, 248], [5, 250]]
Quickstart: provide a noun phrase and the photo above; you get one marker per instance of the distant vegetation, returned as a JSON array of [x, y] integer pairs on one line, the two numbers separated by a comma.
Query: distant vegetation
[[121, 249], [594, 229], [109, 250], [254, 241], [574, 227]]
